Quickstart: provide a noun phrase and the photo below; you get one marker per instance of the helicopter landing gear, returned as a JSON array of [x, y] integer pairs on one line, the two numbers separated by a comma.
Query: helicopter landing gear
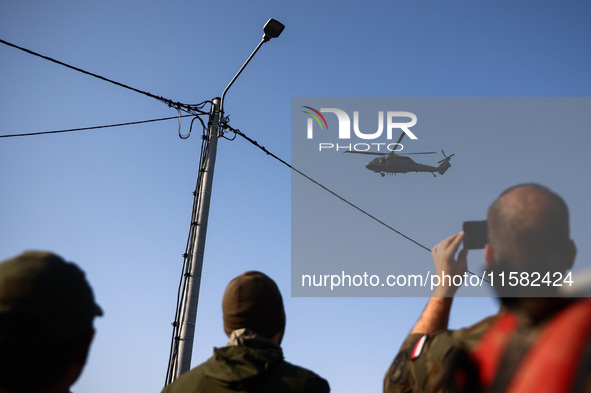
[[433, 174], [382, 173]]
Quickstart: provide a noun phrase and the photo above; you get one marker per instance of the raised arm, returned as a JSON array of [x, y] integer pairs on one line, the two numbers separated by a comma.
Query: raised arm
[[435, 316]]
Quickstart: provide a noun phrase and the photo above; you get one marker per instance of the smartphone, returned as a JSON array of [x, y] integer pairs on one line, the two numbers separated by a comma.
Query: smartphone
[[474, 234]]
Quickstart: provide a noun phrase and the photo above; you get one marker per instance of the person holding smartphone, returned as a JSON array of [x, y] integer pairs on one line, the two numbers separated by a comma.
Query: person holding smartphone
[[420, 362], [538, 341]]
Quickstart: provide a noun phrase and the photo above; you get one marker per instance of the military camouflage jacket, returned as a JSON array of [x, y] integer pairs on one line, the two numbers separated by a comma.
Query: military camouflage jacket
[[419, 366]]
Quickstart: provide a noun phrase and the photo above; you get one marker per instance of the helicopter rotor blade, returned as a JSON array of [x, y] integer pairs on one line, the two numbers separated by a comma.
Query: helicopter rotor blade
[[389, 153], [366, 152]]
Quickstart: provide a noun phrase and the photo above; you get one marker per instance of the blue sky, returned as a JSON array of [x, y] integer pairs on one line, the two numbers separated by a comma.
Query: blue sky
[[118, 201]]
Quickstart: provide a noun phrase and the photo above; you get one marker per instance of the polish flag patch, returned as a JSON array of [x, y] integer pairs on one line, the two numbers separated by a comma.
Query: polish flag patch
[[418, 349]]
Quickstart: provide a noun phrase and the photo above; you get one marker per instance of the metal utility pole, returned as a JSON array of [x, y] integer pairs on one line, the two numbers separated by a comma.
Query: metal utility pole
[[184, 326]]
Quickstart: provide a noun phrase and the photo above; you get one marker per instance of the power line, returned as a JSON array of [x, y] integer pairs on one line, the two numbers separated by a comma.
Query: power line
[[193, 109], [255, 143], [252, 141], [91, 128]]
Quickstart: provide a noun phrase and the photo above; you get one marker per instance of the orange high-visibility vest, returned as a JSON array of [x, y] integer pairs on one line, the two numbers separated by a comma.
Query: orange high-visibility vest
[[554, 360]]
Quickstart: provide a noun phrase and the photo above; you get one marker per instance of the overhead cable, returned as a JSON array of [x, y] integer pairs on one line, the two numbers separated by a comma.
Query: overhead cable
[[238, 132], [91, 128], [193, 109]]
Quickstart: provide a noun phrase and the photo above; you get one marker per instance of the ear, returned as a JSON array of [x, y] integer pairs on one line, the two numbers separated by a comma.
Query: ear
[[489, 256], [572, 254]]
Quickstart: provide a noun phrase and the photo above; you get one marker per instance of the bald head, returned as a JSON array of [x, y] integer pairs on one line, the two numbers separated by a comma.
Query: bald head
[[528, 229]]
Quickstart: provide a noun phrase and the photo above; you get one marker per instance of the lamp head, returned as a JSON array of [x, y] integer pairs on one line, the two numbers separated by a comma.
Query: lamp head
[[272, 29]]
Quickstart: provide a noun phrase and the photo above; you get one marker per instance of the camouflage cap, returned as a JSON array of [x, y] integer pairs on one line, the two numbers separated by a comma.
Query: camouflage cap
[[42, 288], [252, 300]]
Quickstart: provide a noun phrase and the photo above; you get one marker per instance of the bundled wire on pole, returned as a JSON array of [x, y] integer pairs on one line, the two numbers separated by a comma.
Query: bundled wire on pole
[[186, 268]]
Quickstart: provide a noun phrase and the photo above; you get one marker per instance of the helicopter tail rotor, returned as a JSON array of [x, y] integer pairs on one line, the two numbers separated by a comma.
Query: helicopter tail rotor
[[444, 164], [446, 158]]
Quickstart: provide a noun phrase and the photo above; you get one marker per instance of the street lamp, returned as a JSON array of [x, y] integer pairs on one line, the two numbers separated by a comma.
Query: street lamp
[[184, 331], [272, 29]]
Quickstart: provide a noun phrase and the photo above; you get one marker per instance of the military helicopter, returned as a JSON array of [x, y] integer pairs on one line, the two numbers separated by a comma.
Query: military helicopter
[[393, 163]]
